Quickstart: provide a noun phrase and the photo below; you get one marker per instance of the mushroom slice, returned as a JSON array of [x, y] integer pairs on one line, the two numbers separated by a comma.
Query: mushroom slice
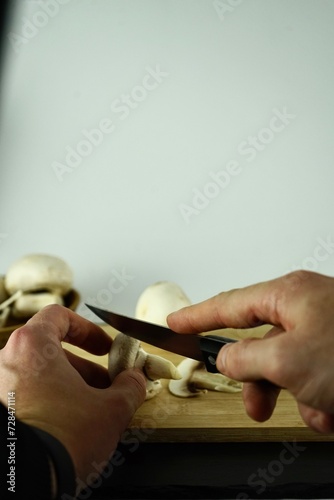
[[126, 353], [196, 380]]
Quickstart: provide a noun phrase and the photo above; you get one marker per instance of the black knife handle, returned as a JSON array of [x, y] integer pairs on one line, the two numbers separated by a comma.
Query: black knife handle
[[210, 346]]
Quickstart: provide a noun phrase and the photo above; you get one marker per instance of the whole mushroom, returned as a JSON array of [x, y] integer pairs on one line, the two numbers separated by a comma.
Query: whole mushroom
[[35, 281], [159, 300], [39, 272]]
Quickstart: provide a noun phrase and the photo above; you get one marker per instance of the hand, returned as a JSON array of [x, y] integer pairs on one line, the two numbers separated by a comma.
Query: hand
[[297, 353], [64, 394]]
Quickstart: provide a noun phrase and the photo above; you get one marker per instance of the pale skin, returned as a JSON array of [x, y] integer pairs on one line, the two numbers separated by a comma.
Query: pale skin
[[67, 395], [296, 354]]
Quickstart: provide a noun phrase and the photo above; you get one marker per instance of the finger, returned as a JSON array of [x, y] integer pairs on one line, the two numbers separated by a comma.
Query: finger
[[251, 360], [240, 308], [62, 324], [317, 420], [260, 399], [130, 386], [94, 375]]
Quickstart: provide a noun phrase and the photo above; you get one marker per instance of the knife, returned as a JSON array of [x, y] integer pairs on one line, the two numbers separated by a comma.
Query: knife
[[204, 348]]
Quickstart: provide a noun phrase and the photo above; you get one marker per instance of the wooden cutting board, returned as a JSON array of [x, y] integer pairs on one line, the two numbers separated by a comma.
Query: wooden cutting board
[[210, 417]]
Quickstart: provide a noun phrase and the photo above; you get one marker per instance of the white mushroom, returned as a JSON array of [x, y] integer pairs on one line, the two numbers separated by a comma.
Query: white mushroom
[[159, 300], [126, 353], [35, 281], [39, 272], [29, 304], [196, 380]]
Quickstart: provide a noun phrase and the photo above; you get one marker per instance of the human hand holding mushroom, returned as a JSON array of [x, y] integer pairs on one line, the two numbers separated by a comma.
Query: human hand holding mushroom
[[68, 396]]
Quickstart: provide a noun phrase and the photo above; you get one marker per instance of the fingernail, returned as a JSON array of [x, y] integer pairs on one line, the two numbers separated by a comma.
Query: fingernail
[[221, 359]]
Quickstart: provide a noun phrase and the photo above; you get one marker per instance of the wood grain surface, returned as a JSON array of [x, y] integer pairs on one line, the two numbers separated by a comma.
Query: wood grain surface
[[210, 417]]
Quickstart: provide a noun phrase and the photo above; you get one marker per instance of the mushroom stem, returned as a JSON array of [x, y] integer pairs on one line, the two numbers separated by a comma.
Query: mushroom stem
[[158, 367], [11, 299], [201, 379], [126, 353], [4, 316], [196, 380]]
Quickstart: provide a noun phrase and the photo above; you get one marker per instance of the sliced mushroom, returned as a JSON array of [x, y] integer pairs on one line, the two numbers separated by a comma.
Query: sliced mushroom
[[126, 353], [196, 380]]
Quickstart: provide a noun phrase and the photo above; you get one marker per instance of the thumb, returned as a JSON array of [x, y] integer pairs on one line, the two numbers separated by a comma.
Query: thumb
[[130, 386], [253, 359]]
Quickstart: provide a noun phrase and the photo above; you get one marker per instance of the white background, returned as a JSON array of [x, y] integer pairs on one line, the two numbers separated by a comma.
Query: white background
[[228, 67]]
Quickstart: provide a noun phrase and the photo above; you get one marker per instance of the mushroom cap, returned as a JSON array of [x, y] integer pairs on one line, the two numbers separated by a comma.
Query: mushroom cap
[[39, 272], [159, 300], [122, 355]]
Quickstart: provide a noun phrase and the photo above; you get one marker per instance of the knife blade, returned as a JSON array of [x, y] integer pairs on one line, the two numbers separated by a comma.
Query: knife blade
[[204, 348]]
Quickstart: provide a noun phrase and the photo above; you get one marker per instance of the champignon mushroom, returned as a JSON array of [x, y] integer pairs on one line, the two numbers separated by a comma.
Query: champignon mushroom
[[126, 353], [29, 304], [39, 272], [159, 300], [196, 380], [35, 281]]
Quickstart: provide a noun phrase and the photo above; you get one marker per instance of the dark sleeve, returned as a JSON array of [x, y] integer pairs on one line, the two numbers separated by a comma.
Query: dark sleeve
[[25, 456]]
